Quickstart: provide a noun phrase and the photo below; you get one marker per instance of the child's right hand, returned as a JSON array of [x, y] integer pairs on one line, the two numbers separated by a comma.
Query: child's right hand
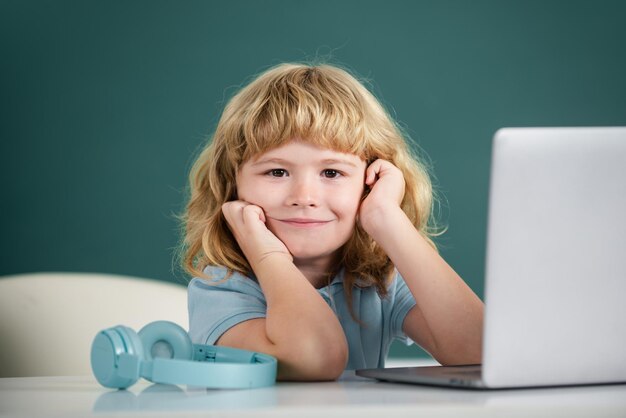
[[247, 223]]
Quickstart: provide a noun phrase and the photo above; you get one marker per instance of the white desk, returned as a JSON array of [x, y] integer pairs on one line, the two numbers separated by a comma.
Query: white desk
[[351, 396]]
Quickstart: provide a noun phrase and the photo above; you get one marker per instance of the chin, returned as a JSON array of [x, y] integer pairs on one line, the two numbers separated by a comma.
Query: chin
[[307, 254], [300, 252]]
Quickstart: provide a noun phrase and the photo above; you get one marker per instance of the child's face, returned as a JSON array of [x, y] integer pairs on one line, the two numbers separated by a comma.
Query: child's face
[[310, 196]]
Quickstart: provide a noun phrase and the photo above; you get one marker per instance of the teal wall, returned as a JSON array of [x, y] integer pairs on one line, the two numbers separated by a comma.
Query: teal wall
[[104, 103]]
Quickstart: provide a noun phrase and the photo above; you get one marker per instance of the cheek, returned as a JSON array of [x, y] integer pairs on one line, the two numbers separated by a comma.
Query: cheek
[[253, 195], [247, 189], [348, 203], [256, 193], [243, 191]]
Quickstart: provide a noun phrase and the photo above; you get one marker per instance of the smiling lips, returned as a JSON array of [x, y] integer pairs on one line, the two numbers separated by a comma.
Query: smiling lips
[[303, 222]]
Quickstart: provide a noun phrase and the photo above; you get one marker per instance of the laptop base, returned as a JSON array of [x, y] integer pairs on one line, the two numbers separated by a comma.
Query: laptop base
[[466, 377]]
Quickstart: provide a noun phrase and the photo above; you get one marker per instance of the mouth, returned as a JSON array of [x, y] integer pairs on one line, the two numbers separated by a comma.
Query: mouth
[[304, 222]]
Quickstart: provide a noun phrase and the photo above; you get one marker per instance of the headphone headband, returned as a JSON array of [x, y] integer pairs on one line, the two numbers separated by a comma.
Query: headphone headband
[[119, 357], [214, 367]]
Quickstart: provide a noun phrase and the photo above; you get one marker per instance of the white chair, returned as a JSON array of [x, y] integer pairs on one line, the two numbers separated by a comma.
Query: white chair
[[48, 320]]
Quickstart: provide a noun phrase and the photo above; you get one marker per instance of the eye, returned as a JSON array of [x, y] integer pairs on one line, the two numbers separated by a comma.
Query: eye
[[331, 174], [277, 172]]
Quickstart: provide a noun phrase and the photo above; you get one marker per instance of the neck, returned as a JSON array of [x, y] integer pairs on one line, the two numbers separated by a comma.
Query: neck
[[317, 270]]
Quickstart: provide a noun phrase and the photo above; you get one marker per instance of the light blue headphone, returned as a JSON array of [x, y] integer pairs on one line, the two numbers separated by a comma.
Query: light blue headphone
[[162, 352]]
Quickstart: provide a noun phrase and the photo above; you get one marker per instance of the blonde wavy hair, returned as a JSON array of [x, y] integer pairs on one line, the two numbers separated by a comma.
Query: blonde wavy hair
[[323, 105]]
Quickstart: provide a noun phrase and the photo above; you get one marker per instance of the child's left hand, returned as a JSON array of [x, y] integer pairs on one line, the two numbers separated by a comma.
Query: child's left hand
[[386, 184]]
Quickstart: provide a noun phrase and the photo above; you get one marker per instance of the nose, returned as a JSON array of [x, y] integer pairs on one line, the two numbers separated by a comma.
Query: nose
[[303, 192]]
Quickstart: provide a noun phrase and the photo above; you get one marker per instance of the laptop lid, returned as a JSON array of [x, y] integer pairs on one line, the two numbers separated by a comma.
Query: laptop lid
[[555, 264], [556, 258]]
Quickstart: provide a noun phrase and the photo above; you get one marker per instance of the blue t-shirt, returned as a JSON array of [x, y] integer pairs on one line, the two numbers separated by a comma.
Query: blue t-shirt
[[214, 308]]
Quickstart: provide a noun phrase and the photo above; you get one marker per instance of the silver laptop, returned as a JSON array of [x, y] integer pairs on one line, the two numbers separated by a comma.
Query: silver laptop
[[555, 287]]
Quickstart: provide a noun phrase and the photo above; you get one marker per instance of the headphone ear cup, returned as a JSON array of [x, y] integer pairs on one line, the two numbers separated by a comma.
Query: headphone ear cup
[[106, 349], [165, 339]]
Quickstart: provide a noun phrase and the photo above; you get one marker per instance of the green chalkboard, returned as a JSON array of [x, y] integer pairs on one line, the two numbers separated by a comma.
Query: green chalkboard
[[104, 104]]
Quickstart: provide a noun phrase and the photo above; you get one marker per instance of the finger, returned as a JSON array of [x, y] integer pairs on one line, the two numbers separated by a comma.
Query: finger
[[252, 214], [233, 211], [372, 171], [229, 208]]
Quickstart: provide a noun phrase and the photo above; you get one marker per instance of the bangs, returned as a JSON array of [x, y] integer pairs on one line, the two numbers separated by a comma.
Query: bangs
[[318, 105]]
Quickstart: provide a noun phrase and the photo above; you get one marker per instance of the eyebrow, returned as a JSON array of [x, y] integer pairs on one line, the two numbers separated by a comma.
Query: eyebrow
[[285, 162], [338, 161]]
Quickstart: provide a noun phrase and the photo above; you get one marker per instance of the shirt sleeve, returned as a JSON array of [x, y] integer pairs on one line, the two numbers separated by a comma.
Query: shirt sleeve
[[217, 304], [403, 302]]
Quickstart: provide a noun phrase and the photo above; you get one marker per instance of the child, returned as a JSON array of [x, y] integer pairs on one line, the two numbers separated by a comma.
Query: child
[[308, 232]]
